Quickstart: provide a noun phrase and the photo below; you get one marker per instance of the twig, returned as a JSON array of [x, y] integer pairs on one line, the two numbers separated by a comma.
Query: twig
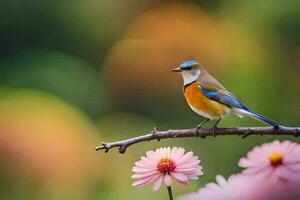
[[158, 135]]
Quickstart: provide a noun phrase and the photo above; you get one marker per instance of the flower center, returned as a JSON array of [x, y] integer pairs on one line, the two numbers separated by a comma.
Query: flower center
[[275, 159], [166, 166]]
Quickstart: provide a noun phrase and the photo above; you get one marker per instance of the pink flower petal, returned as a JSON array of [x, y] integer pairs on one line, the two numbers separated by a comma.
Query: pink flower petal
[[194, 177], [142, 182], [167, 180], [184, 170], [157, 184], [293, 166], [180, 177], [193, 163], [152, 155], [150, 162], [177, 153], [288, 175], [244, 162], [142, 170], [143, 164], [185, 158], [144, 175]]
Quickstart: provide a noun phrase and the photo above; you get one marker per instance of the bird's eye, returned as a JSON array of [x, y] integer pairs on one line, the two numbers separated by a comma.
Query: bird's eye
[[187, 68]]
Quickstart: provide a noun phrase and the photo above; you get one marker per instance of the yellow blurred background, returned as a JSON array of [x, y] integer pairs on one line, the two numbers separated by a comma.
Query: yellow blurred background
[[75, 73]]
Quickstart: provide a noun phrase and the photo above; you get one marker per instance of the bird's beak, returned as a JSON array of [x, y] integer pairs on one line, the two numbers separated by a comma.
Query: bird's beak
[[176, 70]]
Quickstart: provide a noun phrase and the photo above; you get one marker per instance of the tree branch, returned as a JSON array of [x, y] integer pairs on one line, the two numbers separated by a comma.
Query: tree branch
[[158, 135]]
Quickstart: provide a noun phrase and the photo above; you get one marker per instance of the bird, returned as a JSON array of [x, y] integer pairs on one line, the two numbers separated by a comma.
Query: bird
[[209, 98]]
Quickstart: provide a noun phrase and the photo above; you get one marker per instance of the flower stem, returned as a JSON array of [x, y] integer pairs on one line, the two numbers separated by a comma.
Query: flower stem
[[170, 193]]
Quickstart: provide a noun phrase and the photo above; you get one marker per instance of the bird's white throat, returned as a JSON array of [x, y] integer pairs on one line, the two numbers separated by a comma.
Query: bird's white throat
[[190, 76]]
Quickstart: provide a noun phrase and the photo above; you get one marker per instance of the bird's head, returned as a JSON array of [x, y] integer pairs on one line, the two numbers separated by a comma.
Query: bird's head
[[190, 71]]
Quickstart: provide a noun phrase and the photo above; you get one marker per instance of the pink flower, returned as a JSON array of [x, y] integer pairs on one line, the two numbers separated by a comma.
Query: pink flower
[[275, 160], [164, 164], [235, 188], [239, 186]]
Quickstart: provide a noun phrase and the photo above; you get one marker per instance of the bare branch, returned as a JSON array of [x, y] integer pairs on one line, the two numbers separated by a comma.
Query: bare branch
[[158, 135]]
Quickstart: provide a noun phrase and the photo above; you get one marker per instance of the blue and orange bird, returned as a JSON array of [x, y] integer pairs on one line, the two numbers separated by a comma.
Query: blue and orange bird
[[208, 98]]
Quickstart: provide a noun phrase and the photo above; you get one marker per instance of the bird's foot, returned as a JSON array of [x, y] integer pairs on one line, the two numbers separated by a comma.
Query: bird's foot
[[199, 127], [198, 134], [277, 127], [213, 131], [154, 130]]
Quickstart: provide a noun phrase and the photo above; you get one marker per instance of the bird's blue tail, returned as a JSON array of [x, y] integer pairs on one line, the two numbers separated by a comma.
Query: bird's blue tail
[[262, 118]]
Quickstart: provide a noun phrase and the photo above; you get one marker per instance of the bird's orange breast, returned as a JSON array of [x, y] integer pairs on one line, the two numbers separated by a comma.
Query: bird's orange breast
[[201, 104]]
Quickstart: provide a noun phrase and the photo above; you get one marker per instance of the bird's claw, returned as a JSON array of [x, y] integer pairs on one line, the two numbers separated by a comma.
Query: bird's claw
[[197, 130], [198, 133], [154, 130], [213, 132]]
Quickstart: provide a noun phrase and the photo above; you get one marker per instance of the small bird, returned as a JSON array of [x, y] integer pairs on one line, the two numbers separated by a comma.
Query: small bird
[[208, 98]]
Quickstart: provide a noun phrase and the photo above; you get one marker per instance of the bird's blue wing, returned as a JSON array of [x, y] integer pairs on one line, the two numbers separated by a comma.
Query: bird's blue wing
[[227, 98], [223, 97]]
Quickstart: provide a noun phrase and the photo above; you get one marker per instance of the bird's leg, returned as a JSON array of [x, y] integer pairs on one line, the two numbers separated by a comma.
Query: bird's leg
[[201, 124], [215, 126]]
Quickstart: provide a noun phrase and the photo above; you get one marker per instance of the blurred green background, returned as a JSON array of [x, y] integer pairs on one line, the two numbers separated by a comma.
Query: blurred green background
[[73, 73]]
